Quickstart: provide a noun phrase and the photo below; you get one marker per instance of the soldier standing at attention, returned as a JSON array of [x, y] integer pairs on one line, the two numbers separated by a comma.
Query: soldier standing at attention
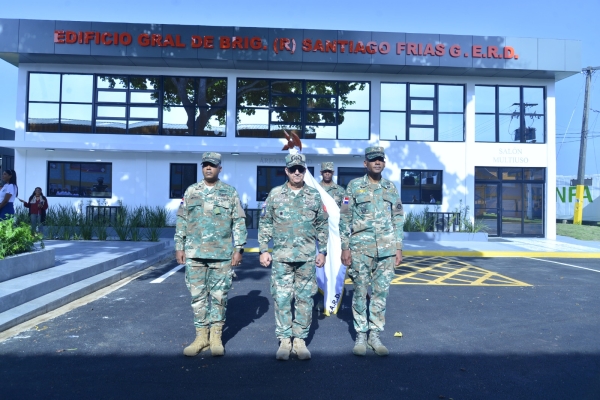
[[371, 230], [209, 215], [295, 218], [334, 190]]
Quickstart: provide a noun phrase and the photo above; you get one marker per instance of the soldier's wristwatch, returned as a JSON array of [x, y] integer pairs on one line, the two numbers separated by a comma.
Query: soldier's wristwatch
[[239, 250]]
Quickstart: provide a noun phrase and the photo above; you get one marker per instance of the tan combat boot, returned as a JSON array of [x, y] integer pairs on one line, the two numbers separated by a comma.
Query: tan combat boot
[[300, 349], [216, 346], [375, 343], [360, 346], [285, 347], [199, 344]]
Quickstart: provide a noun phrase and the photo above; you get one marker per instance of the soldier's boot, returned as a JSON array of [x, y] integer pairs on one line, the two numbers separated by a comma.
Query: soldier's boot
[[285, 347], [360, 345], [300, 349], [199, 344], [216, 346], [375, 343]]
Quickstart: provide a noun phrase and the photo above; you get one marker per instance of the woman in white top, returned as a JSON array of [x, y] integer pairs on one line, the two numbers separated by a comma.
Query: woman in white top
[[8, 193]]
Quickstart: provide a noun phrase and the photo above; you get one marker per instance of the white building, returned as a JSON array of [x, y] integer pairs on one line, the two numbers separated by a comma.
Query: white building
[[123, 112]]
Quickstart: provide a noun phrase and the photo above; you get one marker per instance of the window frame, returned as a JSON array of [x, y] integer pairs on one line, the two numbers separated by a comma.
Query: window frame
[[438, 202], [79, 196], [183, 188]]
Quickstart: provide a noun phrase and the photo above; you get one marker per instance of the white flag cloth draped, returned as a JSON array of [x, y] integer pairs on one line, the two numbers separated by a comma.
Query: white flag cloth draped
[[331, 277]]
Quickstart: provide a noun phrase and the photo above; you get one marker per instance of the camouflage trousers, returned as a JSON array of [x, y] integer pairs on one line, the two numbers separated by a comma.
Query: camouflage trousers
[[293, 281], [209, 282], [378, 273]]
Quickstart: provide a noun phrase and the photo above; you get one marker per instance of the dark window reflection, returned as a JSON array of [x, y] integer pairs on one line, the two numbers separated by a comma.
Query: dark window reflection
[[68, 179], [345, 175], [269, 177], [181, 177], [486, 173], [421, 187]]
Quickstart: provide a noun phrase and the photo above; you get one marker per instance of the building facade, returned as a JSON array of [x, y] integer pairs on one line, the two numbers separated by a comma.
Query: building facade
[[114, 111]]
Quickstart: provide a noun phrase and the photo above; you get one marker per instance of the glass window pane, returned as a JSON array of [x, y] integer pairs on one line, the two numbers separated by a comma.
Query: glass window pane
[[182, 176], [534, 174], [215, 126], [507, 127], [143, 112], [252, 123], [345, 175], [421, 119], [534, 100], [512, 174], [320, 118], [110, 112], [42, 117], [44, 87], [277, 130], [451, 98], [321, 102], [354, 96], [507, 96], [144, 97], [252, 93], [320, 132], [422, 90], [144, 83], [286, 101], [393, 96], [76, 118], [421, 134], [485, 99], [286, 116], [486, 173], [77, 88], [533, 209], [353, 125], [421, 105], [178, 120], [321, 88], [63, 178], [143, 127], [451, 128], [112, 97], [212, 92], [111, 82], [110, 126], [96, 180], [177, 90], [535, 129], [485, 128], [286, 87], [392, 126]]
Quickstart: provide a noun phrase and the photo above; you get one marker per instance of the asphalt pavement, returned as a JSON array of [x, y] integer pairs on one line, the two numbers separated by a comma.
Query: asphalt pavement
[[530, 335]]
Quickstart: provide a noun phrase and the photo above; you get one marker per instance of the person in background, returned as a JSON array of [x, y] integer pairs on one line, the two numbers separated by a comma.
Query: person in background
[[8, 193], [335, 191], [37, 204], [414, 199], [431, 199]]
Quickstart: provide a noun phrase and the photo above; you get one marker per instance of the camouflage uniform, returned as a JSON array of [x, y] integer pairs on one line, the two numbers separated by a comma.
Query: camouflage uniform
[[207, 219], [371, 226], [294, 222], [334, 190]]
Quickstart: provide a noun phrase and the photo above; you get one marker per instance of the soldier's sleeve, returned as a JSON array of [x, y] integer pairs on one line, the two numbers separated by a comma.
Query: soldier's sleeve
[[238, 222], [346, 218], [265, 225], [181, 224], [398, 221], [322, 225]]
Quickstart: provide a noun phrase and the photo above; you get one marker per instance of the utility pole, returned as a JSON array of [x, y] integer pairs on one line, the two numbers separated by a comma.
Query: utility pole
[[578, 214]]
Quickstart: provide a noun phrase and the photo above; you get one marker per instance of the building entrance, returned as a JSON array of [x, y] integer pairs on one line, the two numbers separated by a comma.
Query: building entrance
[[510, 201]]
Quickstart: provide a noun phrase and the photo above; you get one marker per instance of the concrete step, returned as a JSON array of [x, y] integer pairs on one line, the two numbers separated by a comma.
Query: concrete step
[[25, 288], [57, 298]]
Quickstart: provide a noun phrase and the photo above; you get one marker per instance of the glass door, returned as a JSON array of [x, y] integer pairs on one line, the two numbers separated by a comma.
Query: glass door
[[486, 206], [512, 209]]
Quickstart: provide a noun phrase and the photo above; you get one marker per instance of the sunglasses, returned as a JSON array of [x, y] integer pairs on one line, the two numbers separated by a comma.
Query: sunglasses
[[377, 159], [206, 164], [297, 168]]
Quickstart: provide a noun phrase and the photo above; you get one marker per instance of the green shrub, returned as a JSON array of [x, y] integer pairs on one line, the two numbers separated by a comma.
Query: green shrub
[[16, 239]]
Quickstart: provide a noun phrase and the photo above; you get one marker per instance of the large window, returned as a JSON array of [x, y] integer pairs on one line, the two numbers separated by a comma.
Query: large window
[[76, 179], [422, 112], [182, 176], [311, 109], [421, 186], [269, 177], [346, 174], [121, 104], [510, 114]]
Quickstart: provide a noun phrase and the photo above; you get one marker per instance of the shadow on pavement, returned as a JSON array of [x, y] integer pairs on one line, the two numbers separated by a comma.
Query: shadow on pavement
[[243, 311]]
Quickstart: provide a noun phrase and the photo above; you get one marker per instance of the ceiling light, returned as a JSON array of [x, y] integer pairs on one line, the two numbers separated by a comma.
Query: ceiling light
[[235, 154], [356, 156], [49, 149]]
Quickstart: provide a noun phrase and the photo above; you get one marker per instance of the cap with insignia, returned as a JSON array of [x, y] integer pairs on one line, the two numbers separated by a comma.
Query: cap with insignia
[[211, 157], [295, 159], [327, 166], [374, 152]]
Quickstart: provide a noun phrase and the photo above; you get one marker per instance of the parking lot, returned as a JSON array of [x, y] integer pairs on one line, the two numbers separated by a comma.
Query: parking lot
[[471, 328]]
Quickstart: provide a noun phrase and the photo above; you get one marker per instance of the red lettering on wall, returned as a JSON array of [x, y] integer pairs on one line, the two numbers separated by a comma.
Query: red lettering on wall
[[342, 44], [59, 36], [429, 50], [492, 51], [476, 51], [209, 42], [196, 41], [411, 49], [360, 47], [256, 43], [237, 43], [80, 37], [97, 38], [319, 46], [384, 47], [144, 39], [156, 40], [106, 39], [371, 47], [116, 38], [400, 47], [306, 45], [70, 37], [168, 41], [454, 50], [88, 37], [224, 42], [440, 49], [350, 46], [509, 52], [330, 46], [178, 42]]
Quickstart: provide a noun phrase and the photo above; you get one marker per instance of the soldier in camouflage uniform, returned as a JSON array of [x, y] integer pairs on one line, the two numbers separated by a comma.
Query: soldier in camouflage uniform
[[327, 183], [371, 230], [209, 215], [295, 218]]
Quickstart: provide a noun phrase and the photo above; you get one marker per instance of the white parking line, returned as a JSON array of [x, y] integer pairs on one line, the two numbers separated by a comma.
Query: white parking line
[[168, 274], [568, 265]]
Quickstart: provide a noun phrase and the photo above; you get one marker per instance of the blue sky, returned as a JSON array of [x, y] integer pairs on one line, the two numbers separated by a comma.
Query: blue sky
[[576, 19]]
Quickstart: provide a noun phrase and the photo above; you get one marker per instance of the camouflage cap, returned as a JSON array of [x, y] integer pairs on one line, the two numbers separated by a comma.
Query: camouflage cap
[[295, 159], [374, 152], [327, 166], [211, 157]]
